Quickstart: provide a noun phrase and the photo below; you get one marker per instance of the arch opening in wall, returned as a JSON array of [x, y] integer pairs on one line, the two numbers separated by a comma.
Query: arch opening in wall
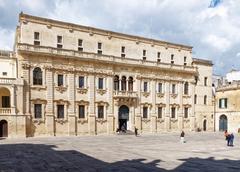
[[223, 123], [3, 128]]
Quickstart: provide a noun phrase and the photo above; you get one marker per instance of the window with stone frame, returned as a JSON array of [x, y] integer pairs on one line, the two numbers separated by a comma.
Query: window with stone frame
[[81, 83], [59, 41], [173, 89], [172, 58], [37, 110], [60, 111], [116, 83], [205, 81], [145, 86], [186, 112], [195, 99], [81, 111], [100, 83], [37, 76], [144, 54], [173, 112], [123, 51], [185, 61], [186, 88], [60, 79], [160, 112], [160, 87], [99, 51], [158, 56], [223, 103], [80, 45], [36, 38], [205, 100], [100, 111], [145, 112]]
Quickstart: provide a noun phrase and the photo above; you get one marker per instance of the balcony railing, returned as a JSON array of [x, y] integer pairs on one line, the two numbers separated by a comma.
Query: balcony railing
[[7, 81], [6, 111], [27, 48], [125, 94]]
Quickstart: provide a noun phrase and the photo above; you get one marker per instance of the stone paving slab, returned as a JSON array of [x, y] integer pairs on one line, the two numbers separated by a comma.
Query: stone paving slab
[[157, 152]]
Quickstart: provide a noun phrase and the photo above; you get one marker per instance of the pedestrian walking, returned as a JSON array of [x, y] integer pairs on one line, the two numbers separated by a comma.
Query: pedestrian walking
[[231, 139], [182, 135], [228, 138], [136, 131]]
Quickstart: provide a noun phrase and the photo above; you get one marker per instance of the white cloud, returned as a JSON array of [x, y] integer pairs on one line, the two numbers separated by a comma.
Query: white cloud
[[238, 54], [220, 43], [6, 39]]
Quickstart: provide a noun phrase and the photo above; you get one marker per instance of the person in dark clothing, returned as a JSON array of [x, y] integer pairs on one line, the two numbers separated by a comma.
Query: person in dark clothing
[[231, 139], [228, 137], [136, 131], [182, 140]]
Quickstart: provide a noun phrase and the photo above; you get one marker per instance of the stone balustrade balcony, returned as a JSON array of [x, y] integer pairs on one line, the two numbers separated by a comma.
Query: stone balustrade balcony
[[7, 111], [125, 94]]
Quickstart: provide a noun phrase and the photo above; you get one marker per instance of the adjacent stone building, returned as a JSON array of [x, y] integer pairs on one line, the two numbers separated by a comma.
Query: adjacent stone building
[[76, 80]]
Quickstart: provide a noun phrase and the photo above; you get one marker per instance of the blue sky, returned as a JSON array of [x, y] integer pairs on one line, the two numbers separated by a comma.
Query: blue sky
[[213, 32]]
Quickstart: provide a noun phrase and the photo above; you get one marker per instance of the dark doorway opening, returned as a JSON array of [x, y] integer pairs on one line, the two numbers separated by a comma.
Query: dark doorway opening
[[3, 128], [205, 125], [123, 117]]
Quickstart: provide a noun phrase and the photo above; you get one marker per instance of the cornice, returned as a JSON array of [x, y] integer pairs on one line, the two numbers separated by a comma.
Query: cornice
[[25, 18]]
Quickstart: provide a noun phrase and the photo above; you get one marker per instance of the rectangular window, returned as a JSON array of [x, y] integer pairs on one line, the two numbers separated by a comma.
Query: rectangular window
[[173, 88], [185, 112], [160, 88], [80, 45], [159, 57], [145, 86], [205, 81], [100, 111], [172, 59], [81, 113], [144, 55], [6, 101], [145, 112], [160, 111], [4, 73], [36, 38], [37, 110], [195, 99], [60, 111], [59, 42], [60, 80], [81, 81], [99, 48], [122, 51], [223, 103], [173, 112], [100, 83], [185, 61]]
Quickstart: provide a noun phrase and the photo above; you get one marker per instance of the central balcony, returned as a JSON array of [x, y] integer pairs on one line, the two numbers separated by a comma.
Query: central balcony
[[125, 94], [7, 111]]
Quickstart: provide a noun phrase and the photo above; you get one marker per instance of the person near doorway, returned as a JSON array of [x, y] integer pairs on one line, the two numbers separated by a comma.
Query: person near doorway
[[182, 135], [136, 131], [225, 134], [123, 128]]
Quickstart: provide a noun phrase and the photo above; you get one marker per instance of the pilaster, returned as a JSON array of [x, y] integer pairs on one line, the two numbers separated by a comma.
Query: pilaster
[[167, 110], [92, 114]]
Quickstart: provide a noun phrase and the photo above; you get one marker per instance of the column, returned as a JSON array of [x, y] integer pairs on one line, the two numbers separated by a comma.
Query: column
[[115, 112], [92, 114], [180, 111], [26, 88], [50, 118], [153, 115], [138, 117], [72, 123], [167, 110], [192, 116], [13, 100], [110, 116]]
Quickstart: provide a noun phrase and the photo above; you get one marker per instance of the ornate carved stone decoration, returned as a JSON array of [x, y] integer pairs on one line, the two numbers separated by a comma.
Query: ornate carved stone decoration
[[101, 91], [160, 95], [26, 66], [82, 102], [174, 120], [61, 89], [38, 87], [174, 96], [186, 96], [160, 120], [61, 120], [82, 121], [145, 94], [145, 120], [38, 121], [101, 121]]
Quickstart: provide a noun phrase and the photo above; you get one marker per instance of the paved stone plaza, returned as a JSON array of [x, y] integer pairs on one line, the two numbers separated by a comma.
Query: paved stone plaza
[[161, 152]]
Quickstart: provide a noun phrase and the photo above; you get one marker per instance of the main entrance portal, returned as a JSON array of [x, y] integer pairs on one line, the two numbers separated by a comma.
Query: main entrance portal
[[123, 117], [3, 128]]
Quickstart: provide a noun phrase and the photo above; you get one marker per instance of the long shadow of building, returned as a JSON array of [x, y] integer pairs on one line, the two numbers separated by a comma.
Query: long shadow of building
[[45, 158]]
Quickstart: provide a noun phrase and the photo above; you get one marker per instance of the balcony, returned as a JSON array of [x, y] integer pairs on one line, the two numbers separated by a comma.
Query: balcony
[[7, 81], [7, 111], [125, 94], [31, 49]]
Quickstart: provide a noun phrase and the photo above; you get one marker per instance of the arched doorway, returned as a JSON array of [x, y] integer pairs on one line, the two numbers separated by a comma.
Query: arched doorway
[[3, 128], [223, 123], [123, 117], [204, 125], [4, 98]]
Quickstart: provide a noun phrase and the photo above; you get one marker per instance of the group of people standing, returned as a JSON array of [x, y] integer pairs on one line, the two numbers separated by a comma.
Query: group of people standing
[[229, 137]]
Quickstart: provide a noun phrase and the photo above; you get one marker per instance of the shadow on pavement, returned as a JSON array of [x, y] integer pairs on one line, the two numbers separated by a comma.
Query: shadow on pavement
[[40, 157]]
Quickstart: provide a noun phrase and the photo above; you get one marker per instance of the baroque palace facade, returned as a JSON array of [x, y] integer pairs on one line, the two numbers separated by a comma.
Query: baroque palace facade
[[74, 80]]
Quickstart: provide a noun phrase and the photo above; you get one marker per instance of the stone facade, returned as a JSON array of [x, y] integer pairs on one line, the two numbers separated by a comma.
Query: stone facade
[[82, 80], [228, 108]]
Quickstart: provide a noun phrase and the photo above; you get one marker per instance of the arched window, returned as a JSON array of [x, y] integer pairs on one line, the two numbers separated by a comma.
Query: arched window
[[37, 76], [186, 88], [205, 99], [116, 82], [130, 84], [123, 83], [195, 99]]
